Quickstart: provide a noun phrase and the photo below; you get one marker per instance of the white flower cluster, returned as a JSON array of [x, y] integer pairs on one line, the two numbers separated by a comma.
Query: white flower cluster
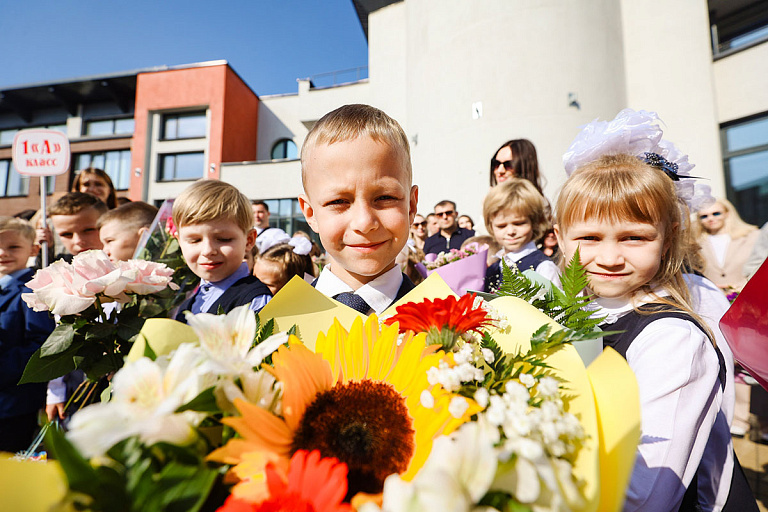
[[533, 432], [465, 370]]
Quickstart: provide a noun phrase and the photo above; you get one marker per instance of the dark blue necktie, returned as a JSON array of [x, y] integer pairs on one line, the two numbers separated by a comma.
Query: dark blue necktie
[[356, 302]]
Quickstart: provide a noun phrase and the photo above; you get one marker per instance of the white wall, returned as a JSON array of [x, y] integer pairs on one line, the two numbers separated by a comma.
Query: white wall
[[741, 83], [668, 57]]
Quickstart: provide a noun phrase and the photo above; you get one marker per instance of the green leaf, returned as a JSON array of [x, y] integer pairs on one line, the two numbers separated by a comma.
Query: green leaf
[[43, 369], [148, 352], [180, 488], [102, 484], [204, 402], [59, 340]]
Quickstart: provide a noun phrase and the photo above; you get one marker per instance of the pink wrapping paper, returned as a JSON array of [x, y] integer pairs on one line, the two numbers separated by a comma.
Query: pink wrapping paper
[[745, 326], [465, 274]]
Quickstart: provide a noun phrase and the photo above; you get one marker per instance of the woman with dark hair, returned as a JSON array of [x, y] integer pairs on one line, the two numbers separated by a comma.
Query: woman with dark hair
[[97, 183], [516, 159]]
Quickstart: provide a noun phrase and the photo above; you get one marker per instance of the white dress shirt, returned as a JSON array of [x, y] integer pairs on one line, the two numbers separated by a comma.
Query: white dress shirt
[[379, 293], [546, 268]]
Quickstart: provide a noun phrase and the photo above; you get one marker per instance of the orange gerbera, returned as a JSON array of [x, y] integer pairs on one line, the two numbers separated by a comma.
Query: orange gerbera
[[312, 485], [443, 320], [357, 399]]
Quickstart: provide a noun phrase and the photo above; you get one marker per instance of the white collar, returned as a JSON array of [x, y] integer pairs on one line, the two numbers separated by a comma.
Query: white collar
[[512, 257], [379, 293], [616, 308]]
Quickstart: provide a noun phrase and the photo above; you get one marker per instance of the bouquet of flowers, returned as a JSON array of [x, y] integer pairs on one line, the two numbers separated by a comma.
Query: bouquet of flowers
[[428, 409], [102, 307], [462, 269]]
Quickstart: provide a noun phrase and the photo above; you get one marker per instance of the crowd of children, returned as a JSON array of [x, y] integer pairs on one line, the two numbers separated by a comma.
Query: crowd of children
[[619, 209]]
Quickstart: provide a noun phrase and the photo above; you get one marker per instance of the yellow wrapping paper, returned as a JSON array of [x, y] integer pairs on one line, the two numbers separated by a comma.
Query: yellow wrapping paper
[[30, 486], [618, 423], [163, 336]]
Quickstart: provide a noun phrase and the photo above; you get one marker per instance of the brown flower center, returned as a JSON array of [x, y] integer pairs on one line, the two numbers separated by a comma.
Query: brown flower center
[[364, 424]]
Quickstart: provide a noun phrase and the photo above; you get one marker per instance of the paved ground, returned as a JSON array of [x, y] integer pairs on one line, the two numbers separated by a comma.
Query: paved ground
[[754, 460]]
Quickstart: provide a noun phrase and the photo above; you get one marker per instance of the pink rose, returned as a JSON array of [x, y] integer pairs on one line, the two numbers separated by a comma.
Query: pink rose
[[95, 275], [148, 276], [54, 289]]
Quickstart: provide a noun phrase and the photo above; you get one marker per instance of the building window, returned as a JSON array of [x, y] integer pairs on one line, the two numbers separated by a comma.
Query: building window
[[7, 135], [11, 182], [183, 126], [181, 166], [745, 159], [115, 163], [287, 215], [737, 25], [284, 149], [103, 127]]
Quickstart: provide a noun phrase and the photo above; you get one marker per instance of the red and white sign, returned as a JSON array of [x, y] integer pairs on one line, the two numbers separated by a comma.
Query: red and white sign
[[39, 152]]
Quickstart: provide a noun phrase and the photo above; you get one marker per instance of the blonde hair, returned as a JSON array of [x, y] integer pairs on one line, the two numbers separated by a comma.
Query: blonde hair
[[618, 188], [20, 226], [134, 215], [520, 196], [210, 200], [351, 121], [734, 225]]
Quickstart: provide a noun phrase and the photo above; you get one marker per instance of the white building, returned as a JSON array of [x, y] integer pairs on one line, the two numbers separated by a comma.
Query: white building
[[462, 77]]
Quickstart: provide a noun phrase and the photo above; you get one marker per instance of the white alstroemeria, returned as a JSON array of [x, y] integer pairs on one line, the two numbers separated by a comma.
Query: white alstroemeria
[[146, 395], [519, 478], [226, 339], [258, 387]]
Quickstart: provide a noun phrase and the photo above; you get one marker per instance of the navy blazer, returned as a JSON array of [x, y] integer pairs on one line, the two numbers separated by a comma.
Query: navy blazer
[[22, 332]]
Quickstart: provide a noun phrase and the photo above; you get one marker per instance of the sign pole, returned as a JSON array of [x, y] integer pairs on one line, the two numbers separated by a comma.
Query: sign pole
[[41, 153], [44, 218]]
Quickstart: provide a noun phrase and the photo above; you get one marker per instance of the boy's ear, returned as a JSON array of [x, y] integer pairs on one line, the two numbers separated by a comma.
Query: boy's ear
[[250, 240], [309, 212], [34, 250], [413, 204]]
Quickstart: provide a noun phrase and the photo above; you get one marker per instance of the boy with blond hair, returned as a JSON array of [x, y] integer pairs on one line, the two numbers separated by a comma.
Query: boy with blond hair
[[215, 224], [120, 229], [359, 197], [22, 332], [515, 215]]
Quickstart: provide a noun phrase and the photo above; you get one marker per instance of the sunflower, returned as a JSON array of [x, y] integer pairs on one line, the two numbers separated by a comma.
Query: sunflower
[[358, 399], [443, 320]]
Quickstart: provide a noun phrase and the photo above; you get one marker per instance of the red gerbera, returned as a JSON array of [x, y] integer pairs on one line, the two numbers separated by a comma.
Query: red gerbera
[[313, 485], [444, 320]]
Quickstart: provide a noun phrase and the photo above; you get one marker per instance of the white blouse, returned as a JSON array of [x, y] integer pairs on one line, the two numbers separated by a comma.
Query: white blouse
[[680, 398]]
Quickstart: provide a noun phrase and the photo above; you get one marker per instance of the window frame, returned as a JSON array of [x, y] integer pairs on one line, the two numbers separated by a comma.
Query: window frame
[[165, 117], [161, 166], [285, 141]]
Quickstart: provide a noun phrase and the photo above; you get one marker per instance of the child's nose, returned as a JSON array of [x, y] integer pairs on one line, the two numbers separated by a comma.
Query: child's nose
[[364, 218], [609, 255]]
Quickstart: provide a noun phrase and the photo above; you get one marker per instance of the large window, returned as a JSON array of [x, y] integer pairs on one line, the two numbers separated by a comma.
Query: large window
[[737, 25], [745, 159], [103, 127], [115, 163], [181, 166], [11, 182], [286, 215], [183, 126], [284, 149]]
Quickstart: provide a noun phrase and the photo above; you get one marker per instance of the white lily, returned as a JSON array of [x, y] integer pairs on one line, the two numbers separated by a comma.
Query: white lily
[[146, 395]]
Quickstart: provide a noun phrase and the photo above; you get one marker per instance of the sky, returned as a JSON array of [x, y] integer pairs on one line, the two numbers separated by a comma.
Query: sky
[[269, 43]]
